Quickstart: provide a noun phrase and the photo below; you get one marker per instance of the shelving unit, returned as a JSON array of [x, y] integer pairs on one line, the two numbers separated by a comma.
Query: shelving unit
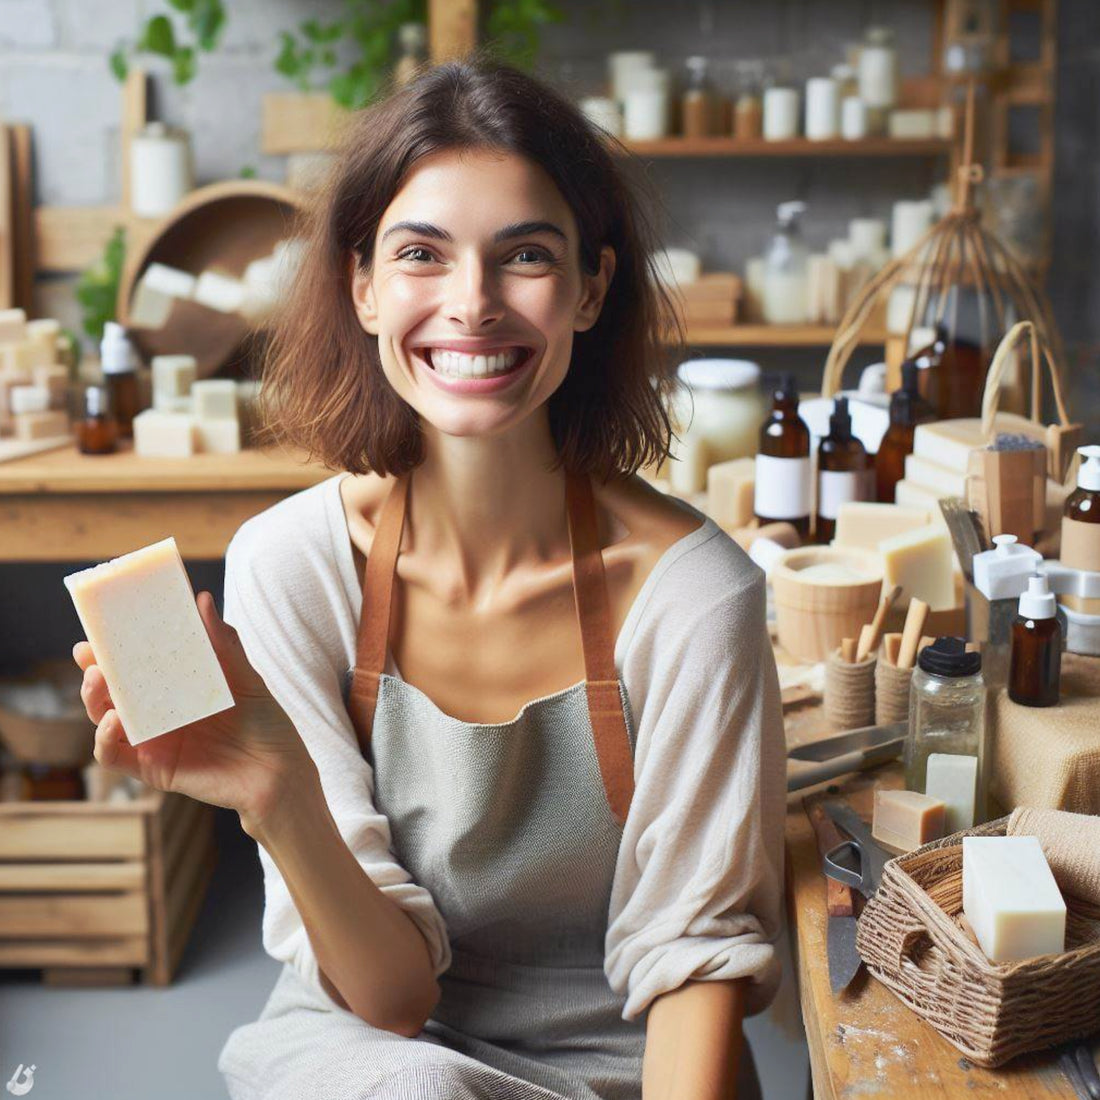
[[772, 336], [796, 147]]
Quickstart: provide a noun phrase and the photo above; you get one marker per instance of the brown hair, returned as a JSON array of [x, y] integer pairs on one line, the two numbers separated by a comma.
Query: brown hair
[[324, 389]]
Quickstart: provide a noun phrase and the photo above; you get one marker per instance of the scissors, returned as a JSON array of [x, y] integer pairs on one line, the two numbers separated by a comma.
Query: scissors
[[870, 857]]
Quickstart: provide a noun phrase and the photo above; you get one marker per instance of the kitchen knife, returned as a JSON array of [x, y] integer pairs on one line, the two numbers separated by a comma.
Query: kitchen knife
[[843, 957], [854, 750]]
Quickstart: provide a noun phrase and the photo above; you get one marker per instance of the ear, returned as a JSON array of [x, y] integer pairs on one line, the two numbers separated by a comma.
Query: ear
[[595, 290], [362, 296]]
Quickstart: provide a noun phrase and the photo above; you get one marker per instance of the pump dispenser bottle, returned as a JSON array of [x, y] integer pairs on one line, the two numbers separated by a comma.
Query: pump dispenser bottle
[[784, 480], [907, 410], [785, 296], [120, 362], [1036, 663], [1081, 515], [844, 471]]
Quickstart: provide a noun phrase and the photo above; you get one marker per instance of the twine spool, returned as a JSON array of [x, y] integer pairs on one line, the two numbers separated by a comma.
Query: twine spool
[[849, 692], [891, 693]]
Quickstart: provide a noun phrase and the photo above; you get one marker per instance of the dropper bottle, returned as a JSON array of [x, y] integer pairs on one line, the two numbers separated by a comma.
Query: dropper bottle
[[907, 410], [783, 480], [1035, 666], [844, 471], [1081, 515]]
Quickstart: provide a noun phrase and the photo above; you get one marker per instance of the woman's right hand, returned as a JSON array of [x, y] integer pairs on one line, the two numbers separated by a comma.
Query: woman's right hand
[[243, 758]]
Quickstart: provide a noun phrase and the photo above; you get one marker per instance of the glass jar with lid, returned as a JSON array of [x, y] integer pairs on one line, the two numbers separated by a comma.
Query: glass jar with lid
[[945, 749]]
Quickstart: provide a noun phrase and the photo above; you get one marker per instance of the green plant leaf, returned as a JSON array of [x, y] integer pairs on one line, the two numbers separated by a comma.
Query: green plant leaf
[[286, 61], [208, 21], [97, 287], [311, 29], [182, 5], [183, 65], [248, 172], [119, 65], [159, 37]]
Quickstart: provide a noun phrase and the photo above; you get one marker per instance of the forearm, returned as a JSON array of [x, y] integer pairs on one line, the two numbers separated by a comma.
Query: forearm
[[693, 1042], [370, 950]]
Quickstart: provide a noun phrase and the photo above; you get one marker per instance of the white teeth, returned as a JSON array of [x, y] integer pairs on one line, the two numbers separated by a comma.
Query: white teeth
[[458, 365]]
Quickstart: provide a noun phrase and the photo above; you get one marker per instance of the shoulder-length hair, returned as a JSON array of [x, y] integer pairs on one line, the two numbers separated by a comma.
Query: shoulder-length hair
[[323, 385]]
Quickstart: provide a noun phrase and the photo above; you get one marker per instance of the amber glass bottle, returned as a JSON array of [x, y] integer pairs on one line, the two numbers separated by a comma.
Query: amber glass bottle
[[97, 429], [844, 471], [784, 480], [907, 410], [1081, 515], [1035, 665], [120, 363], [952, 375]]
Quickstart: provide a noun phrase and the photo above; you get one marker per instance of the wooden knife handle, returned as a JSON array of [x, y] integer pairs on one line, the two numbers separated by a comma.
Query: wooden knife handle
[[838, 897]]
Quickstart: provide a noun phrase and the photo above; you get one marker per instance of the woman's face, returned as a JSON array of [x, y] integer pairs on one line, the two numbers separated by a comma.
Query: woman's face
[[475, 290]]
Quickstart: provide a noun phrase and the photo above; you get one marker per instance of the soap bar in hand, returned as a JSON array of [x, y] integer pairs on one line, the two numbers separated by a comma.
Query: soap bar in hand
[[139, 614], [1010, 898], [904, 820]]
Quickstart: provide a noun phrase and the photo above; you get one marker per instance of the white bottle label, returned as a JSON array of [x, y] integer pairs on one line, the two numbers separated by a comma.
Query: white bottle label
[[837, 487], [783, 487]]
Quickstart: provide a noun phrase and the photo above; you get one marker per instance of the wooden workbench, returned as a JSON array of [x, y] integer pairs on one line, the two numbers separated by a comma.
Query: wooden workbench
[[866, 1043], [66, 506]]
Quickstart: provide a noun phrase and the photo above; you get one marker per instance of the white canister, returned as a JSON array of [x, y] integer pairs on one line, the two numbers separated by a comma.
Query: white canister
[[604, 112], [622, 66], [822, 108], [160, 170], [718, 412], [645, 108], [909, 221], [854, 124], [868, 237], [780, 114], [676, 266], [878, 69]]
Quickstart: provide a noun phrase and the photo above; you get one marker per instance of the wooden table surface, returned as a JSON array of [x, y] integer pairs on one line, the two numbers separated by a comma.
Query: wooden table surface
[[66, 506], [866, 1043]]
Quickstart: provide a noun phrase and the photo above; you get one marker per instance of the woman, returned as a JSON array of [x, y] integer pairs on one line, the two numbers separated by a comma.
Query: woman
[[484, 882]]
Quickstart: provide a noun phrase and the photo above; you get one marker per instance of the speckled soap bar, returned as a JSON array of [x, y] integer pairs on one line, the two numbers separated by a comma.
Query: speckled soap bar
[[139, 614]]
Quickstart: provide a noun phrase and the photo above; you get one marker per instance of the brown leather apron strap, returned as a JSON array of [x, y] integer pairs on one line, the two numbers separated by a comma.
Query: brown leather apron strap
[[374, 619], [605, 707]]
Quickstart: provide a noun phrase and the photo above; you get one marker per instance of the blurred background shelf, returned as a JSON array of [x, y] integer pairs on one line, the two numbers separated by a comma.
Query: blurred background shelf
[[796, 147], [771, 336]]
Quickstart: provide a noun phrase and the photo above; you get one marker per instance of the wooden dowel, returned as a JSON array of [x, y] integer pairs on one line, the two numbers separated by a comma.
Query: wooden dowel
[[848, 650], [869, 636], [911, 634], [891, 646]]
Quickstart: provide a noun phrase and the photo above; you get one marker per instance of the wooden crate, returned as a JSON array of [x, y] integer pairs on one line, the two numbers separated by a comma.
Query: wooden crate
[[90, 891]]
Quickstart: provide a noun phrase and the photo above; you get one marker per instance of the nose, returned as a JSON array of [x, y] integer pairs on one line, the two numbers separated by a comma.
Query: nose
[[473, 296]]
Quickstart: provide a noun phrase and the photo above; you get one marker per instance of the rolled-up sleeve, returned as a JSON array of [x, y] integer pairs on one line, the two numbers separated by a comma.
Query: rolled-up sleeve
[[283, 640], [699, 878]]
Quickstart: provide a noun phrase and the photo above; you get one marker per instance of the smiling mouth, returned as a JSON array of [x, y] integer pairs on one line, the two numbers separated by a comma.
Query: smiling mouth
[[455, 364]]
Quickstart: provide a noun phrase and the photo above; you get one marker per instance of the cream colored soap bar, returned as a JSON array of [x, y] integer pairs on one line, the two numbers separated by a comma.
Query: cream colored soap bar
[[904, 820], [1010, 898], [139, 614], [730, 489], [928, 474], [864, 525], [160, 434], [954, 778], [921, 562]]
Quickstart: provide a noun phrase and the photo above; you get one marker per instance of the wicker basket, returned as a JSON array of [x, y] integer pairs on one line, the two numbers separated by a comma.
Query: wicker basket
[[912, 939]]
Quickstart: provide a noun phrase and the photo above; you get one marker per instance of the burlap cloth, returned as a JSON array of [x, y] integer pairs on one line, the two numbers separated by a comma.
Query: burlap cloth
[[1049, 757], [1071, 843], [849, 692], [891, 692]]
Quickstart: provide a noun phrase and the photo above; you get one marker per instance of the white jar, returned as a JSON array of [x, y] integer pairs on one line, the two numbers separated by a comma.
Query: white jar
[[910, 220], [622, 67], [822, 108], [853, 119], [780, 114], [604, 112], [160, 170], [878, 69], [717, 413], [645, 109]]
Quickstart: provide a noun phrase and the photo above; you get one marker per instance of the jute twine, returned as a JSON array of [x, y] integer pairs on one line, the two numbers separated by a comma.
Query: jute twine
[[891, 692], [849, 692]]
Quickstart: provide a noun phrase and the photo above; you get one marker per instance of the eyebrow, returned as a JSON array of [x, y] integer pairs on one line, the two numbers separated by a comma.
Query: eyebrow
[[509, 232]]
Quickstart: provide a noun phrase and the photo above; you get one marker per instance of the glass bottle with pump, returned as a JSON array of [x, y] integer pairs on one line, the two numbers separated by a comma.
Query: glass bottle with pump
[[844, 471], [785, 298], [120, 362], [1035, 666], [907, 410], [1081, 515], [784, 480]]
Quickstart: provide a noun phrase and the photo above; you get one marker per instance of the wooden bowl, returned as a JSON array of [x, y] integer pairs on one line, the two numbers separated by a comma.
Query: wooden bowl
[[816, 608], [226, 225], [63, 741]]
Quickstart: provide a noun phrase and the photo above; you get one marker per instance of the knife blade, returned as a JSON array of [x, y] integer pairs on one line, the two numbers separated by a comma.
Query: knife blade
[[854, 825], [844, 960]]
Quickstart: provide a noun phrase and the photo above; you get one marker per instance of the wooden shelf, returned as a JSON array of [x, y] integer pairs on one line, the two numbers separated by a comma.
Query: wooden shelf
[[796, 147], [71, 238], [772, 336]]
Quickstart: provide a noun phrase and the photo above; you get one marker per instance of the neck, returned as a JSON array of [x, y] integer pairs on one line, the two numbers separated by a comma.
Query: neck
[[481, 506]]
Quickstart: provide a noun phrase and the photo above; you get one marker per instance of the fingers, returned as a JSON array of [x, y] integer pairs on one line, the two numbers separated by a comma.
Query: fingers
[[83, 655], [112, 750], [95, 694]]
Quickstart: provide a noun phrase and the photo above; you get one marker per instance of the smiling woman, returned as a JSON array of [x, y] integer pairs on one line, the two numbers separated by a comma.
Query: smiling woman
[[546, 776]]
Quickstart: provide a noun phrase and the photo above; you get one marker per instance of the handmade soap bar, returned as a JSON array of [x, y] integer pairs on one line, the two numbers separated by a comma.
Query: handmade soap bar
[[928, 474], [220, 292], [164, 434], [44, 333], [730, 489], [953, 777], [864, 524], [13, 326], [215, 398], [173, 376], [1010, 898], [41, 425], [920, 561], [218, 435], [905, 820], [56, 380], [24, 356], [139, 614], [29, 399]]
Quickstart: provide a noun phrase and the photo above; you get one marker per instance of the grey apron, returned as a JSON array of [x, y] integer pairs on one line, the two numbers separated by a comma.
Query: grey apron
[[515, 829]]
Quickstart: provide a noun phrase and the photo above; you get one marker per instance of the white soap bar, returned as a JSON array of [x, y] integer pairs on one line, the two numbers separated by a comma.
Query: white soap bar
[[218, 435], [941, 480], [215, 398], [173, 404], [149, 308], [953, 779], [41, 425], [139, 614], [173, 375], [56, 380], [913, 124], [864, 524], [170, 281], [921, 562], [13, 326], [730, 489], [220, 292], [24, 356], [44, 333], [164, 434], [1010, 898], [28, 399]]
